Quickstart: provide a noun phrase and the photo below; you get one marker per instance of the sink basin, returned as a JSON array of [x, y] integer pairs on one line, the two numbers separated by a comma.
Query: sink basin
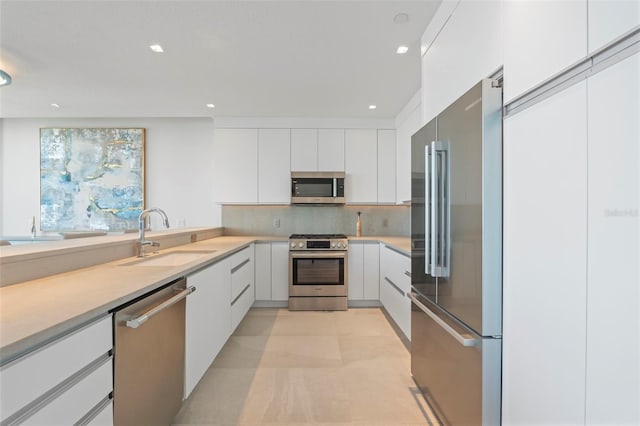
[[175, 258]]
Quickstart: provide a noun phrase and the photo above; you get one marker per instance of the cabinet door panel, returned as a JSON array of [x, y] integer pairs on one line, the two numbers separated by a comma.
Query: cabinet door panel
[[263, 271], [361, 165], [544, 290], [613, 324], [541, 39], [280, 271], [235, 159], [304, 150], [371, 272], [356, 270], [609, 19], [274, 156], [207, 320], [331, 150], [386, 166]]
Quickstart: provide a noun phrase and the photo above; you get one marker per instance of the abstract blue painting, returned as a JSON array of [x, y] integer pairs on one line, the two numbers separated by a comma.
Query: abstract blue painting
[[91, 179]]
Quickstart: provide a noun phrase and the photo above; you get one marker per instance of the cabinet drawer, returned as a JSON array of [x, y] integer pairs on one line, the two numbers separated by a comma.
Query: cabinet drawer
[[104, 418], [397, 267], [397, 304], [240, 305], [76, 402], [26, 378], [242, 271]]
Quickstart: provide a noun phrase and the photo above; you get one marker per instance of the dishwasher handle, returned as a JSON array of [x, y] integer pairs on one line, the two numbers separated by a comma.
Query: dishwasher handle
[[141, 319]]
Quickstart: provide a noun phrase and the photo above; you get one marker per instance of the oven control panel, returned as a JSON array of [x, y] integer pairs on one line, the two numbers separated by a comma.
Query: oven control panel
[[305, 244]]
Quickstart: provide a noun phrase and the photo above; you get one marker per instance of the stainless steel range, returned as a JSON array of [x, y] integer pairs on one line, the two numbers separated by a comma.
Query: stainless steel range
[[318, 272]]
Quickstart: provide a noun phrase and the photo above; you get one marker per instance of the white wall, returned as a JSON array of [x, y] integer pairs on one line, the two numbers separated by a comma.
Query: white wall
[[178, 168]]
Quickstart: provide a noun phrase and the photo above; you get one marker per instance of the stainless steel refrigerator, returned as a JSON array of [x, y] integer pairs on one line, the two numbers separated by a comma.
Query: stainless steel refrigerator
[[456, 233]]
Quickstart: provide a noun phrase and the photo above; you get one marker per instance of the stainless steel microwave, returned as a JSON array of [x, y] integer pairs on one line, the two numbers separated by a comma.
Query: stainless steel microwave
[[317, 187]]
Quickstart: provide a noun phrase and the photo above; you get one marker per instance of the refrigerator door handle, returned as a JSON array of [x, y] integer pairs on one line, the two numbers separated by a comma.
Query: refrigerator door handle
[[463, 339], [429, 201], [440, 215]]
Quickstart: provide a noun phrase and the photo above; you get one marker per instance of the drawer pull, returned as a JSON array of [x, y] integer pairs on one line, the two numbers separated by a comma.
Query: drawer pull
[[244, 262], [407, 273], [240, 295], [395, 286]]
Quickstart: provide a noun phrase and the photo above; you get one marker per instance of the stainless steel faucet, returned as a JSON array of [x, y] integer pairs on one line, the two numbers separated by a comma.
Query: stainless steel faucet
[[141, 223], [33, 227]]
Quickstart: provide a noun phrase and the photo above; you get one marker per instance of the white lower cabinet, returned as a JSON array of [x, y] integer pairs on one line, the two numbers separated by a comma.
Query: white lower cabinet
[[395, 283], [272, 271], [63, 382], [363, 270], [280, 270], [208, 320]]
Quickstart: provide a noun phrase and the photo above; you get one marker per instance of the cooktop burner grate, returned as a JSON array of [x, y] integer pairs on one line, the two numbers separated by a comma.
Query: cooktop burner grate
[[316, 236]]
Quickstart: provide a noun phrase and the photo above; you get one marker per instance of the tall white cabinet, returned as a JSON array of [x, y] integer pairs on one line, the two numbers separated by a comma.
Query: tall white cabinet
[[613, 281], [545, 264]]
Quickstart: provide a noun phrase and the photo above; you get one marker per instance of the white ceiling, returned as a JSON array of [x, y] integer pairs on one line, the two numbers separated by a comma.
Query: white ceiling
[[250, 58]]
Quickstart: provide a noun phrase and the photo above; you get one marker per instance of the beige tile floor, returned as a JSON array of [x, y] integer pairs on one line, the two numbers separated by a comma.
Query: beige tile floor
[[303, 368]]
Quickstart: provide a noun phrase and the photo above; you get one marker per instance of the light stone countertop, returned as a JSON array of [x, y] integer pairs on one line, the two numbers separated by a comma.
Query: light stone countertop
[[401, 244], [33, 312]]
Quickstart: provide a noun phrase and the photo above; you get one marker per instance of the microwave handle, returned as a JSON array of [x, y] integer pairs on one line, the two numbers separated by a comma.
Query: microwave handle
[[335, 187]]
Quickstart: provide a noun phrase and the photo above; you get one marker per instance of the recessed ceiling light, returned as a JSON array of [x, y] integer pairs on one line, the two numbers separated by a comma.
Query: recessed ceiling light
[[156, 48], [5, 79], [55, 105], [401, 18], [211, 106], [372, 107], [401, 50]]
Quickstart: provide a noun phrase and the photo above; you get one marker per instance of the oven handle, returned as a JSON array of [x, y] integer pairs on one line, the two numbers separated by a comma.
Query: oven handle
[[318, 254]]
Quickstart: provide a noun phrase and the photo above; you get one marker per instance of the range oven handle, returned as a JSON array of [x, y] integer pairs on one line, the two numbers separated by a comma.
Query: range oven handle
[[141, 319], [463, 339], [318, 254]]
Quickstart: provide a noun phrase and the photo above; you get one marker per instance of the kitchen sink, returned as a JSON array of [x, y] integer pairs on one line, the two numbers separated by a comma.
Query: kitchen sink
[[175, 258]]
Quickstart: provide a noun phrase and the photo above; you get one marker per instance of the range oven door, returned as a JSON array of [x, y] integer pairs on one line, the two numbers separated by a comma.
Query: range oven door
[[317, 273]]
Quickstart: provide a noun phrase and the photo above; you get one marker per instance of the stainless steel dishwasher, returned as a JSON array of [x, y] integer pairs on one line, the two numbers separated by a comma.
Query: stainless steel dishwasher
[[149, 356]]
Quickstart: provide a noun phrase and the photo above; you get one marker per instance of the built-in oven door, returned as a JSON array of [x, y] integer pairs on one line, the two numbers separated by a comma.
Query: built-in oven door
[[317, 273]]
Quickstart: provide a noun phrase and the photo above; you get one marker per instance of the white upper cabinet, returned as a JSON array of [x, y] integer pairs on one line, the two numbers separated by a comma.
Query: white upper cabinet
[[235, 160], [467, 49], [541, 38], [331, 150], [387, 166], [405, 128], [545, 247], [609, 19], [361, 166], [317, 150], [304, 150], [613, 324], [274, 147]]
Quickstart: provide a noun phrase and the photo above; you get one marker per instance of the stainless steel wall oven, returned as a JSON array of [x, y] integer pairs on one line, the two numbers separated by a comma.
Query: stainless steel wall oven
[[318, 272]]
